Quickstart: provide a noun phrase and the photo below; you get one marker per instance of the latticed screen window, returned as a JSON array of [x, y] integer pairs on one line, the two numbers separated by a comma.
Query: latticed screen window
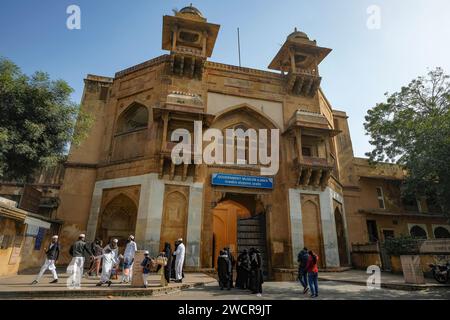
[[380, 197], [307, 151]]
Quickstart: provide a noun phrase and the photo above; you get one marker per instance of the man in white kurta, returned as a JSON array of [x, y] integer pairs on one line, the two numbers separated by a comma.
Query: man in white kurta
[[75, 268], [110, 259], [128, 260], [179, 261]]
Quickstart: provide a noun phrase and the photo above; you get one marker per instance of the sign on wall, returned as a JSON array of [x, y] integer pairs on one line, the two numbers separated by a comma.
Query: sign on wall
[[235, 180], [39, 238]]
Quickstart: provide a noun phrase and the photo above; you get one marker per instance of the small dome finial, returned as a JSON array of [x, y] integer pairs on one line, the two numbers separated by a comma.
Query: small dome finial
[[295, 29]]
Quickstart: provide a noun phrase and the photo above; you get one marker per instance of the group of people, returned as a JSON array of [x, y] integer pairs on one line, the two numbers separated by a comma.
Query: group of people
[[169, 265], [107, 259], [248, 269], [308, 271]]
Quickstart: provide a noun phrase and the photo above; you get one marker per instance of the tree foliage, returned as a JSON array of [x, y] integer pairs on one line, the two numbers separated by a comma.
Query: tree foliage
[[412, 128], [37, 122]]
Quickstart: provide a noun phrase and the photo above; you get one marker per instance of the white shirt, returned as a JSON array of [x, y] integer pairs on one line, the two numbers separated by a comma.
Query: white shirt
[[130, 249], [180, 251]]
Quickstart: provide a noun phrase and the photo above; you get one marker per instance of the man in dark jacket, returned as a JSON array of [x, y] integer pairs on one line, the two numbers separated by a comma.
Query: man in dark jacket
[[52, 254], [302, 260], [224, 270], [78, 251]]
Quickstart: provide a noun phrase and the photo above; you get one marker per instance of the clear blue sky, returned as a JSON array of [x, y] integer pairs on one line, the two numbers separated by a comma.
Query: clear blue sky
[[414, 36]]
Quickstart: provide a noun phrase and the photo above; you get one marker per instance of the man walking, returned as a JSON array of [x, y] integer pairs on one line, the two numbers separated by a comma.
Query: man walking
[[179, 253], [98, 251], [78, 250], [128, 259], [302, 260], [313, 273], [52, 254], [109, 260]]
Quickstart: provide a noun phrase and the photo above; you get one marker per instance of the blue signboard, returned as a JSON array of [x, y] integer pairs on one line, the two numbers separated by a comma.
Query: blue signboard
[[39, 238], [235, 180]]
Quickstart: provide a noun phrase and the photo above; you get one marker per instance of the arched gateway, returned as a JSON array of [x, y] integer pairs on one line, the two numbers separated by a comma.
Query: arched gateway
[[239, 223], [117, 220]]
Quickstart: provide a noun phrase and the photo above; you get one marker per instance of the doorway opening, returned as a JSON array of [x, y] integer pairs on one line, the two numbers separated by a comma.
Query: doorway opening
[[117, 220], [341, 238], [239, 223]]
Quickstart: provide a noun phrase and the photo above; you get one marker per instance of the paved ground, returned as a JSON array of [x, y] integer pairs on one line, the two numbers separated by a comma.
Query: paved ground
[[19, 286], [292, 291], [388, 280], [198, 286], [329, 290]]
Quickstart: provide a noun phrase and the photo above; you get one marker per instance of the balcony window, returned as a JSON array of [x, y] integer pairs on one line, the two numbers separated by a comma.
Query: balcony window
[[133, 118], [380, 197], [307, 151], [418, 232]]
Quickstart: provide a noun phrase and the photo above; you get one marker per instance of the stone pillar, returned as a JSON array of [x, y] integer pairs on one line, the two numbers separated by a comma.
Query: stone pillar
[[94, 213], [295, 213], [329, 228], [136, 280], [153, 204], [194, 226]]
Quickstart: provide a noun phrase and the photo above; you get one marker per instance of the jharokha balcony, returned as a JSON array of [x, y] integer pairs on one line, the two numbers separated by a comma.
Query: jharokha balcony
[[312, 171]]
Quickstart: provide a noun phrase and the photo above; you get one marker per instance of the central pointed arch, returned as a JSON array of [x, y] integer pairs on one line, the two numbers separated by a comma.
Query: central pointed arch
[[118, 219], [262, 120]]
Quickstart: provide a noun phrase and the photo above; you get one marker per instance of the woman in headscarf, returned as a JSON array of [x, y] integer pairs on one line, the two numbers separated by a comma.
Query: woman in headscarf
[[172, 265], [243, 269], [256, 276], [168, 267], [224, 270]]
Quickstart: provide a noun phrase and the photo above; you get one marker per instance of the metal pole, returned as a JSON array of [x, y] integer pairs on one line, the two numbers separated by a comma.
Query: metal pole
[[239, 47]]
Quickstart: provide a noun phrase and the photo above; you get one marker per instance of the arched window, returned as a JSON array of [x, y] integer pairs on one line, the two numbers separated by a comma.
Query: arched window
[[441, 233], [134, 118], [418, 232]]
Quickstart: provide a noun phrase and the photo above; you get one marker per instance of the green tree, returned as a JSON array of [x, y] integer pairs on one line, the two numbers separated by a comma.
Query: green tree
[[412, 129], [37, 122]]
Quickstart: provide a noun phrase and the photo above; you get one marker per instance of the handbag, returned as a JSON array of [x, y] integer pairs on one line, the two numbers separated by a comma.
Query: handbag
[[162, 261]]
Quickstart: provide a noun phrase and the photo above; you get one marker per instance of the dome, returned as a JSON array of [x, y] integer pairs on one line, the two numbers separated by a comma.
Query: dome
[[296, 35], [191, 10]]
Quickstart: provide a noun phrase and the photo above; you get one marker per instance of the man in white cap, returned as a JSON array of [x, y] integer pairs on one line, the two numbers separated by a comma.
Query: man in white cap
[[128, 259], [110, 259], [179, 253], [52, 254], [78, 251], [113, 246]]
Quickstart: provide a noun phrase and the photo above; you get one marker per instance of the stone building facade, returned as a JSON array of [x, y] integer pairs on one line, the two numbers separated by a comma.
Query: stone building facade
[[121, 179]]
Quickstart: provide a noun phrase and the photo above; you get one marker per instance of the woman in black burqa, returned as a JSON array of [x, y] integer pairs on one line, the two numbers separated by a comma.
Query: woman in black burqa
[[243, 270], [256, 275], [168, 267], [224, 270]]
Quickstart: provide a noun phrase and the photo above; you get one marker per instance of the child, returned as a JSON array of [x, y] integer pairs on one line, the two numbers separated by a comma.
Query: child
[[146, 264]]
